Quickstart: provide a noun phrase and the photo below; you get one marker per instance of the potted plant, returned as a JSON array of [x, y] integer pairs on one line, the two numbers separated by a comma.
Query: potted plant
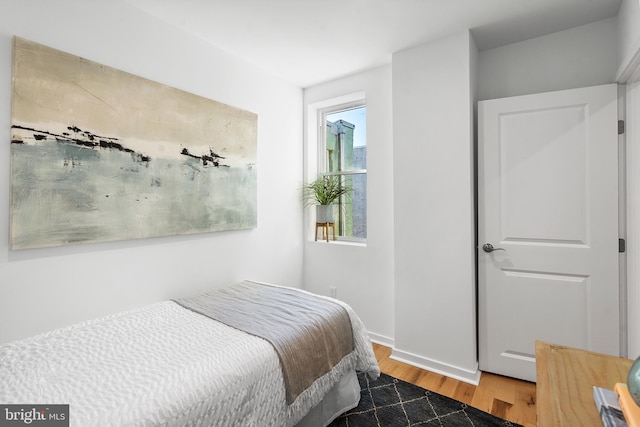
[[323, 193]]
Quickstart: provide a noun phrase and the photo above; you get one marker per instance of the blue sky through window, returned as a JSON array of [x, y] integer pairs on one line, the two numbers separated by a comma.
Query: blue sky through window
[[358, 117]]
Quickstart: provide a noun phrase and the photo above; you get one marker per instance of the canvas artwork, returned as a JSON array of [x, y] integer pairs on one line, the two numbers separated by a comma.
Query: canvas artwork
[[98, 154]]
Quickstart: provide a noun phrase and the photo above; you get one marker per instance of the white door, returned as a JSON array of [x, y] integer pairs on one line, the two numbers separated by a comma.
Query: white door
[[548, 198]]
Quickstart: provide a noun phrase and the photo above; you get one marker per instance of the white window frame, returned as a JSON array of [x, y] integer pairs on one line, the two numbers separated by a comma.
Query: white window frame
[[316, 150]]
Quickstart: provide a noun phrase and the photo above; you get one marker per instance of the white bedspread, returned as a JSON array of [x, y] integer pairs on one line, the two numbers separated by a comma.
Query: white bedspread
[[162, 365]]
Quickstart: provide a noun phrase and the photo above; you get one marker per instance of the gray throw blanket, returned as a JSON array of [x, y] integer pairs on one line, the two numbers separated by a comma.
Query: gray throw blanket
[[310, 334]]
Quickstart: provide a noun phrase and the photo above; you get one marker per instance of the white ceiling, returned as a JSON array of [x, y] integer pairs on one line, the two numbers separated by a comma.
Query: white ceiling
[[310, 41]]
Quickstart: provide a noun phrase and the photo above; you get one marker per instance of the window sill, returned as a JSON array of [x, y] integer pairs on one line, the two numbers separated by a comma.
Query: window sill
[[341, 243]]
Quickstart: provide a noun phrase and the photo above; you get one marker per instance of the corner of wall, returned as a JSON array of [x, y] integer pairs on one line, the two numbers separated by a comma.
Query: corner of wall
[[433, 143]]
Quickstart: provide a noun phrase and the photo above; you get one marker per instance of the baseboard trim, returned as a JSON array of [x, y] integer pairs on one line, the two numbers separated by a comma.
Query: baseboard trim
[[465, 375], [381, 339]]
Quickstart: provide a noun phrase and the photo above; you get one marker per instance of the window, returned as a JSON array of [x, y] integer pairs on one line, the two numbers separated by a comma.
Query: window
[[343, 153]]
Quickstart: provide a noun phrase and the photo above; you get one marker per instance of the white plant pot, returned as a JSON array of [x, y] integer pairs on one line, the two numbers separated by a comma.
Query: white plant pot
[[324, 213]]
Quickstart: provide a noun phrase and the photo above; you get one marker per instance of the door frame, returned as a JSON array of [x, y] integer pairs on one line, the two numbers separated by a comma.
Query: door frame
[[629, 78]]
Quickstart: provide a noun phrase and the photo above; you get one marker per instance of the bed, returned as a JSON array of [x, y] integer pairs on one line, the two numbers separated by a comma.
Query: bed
[[165, 364]]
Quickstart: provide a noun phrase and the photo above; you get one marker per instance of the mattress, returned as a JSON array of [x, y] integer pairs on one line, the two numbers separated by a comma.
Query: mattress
[[163, 365]]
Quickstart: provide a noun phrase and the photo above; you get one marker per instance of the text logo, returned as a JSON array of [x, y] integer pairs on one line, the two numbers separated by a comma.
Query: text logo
[[34, 415]]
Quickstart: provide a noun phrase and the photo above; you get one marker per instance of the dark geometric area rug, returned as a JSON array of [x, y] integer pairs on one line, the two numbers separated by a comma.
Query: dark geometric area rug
[[390, 402]]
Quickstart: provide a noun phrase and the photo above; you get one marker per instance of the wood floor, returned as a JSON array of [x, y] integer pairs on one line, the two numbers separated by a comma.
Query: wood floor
[[507, 398]]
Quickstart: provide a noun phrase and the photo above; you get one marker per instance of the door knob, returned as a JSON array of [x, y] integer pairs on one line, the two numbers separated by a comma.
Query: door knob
[[488, 247]]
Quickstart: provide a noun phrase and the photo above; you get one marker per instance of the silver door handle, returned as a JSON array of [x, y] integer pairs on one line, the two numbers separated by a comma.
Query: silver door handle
[[488, 247]]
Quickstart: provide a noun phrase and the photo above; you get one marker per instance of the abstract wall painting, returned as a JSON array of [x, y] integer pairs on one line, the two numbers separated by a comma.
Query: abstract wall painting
[[98, 155]]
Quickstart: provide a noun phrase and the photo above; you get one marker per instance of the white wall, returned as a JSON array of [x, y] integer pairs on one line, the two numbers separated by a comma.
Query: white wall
[[363, 275], [47, 288], [628, 32], [579, 57], [435, 320]]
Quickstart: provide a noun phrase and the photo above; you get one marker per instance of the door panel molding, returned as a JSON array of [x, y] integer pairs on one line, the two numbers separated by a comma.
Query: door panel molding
[[548, 195]]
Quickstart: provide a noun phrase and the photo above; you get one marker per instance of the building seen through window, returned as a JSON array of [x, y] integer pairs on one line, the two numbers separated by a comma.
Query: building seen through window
[[346, 157]]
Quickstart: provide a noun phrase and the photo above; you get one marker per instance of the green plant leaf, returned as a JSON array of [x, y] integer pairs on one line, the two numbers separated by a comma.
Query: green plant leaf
[[325, 190]]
